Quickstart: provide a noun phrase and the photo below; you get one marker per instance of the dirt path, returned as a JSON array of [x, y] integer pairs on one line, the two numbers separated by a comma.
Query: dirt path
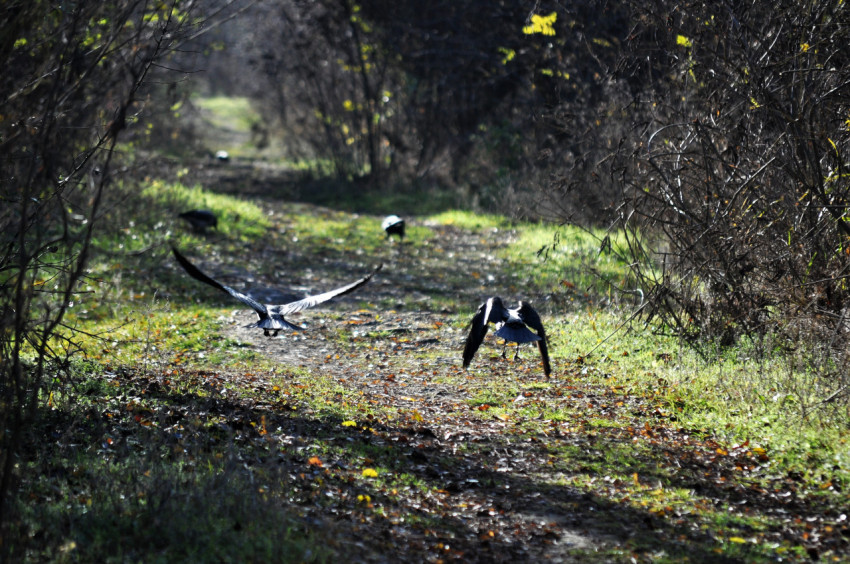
[[492, 494], [496, 499], [550, 479]]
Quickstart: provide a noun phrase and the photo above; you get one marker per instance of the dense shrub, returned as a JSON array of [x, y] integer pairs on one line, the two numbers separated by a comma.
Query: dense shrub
[[72, 82]]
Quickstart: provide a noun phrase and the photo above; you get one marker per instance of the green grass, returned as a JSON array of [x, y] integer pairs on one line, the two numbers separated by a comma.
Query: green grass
[[470, 221], [229, 113], [137, 309], [162, 366], [145, 484], [228, 126]]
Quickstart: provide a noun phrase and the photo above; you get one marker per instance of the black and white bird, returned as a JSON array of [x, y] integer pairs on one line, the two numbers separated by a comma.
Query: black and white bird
[[512, 325], [393, 225], [200, 220], [272, 316]]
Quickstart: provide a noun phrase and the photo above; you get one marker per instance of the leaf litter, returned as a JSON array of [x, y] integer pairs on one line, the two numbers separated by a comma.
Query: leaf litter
[[414, 459], [365, 425]]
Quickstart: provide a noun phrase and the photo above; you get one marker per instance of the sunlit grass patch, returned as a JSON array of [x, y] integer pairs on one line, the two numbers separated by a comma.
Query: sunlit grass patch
[[231, 113], [576, 264], [237, 218], [162, 336], [133, 309], [470, 220], [326, 232], [568, 260]]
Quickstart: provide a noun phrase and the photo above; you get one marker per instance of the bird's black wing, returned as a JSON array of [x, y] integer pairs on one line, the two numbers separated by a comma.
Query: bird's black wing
[[496, 312], [195, 273], [529, 317], [477, 331], [310, 301]]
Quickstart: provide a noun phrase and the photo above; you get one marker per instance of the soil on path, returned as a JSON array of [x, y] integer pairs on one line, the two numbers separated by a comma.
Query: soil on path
[[493, 494], [486, 487]]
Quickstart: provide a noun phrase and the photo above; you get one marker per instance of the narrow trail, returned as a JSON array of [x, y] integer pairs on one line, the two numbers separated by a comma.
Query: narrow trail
[[494, 491], [502, 499], [550, 479]]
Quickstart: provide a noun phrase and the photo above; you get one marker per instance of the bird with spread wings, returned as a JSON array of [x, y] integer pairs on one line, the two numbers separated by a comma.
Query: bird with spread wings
[[272, 316], [512, 325]]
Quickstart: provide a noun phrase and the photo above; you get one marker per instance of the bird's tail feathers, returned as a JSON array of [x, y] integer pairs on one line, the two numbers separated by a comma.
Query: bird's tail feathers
[[278, 324], [520, 334]]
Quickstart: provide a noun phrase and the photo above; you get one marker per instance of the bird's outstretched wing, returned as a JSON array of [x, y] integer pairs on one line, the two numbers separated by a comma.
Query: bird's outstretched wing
[[495, 312], [195, 273], [529, 316], [310, 301], [477, 331]]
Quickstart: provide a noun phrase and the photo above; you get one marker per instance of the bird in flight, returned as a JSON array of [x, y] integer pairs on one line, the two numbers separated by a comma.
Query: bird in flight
[[272, 316], [512, 325], [393, 225]]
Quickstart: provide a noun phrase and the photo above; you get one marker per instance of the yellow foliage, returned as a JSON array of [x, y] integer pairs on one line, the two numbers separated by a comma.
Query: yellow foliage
[[508, 53], [541, 24], [683, 41]]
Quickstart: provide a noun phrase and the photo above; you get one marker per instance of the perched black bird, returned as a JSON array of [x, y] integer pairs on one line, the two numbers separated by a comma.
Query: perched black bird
[[201, 220], [271, 316], [393, 225], [512, 325]]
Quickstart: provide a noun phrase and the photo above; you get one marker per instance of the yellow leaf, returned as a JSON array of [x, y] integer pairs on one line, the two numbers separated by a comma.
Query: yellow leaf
[[683, 41], [349, 424], [508, 53], [370, 473], [737, 540], [416, 416], [541, 24]]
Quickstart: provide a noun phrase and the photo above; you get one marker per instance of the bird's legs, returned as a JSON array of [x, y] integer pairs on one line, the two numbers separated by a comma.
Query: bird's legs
[[505, 350]]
